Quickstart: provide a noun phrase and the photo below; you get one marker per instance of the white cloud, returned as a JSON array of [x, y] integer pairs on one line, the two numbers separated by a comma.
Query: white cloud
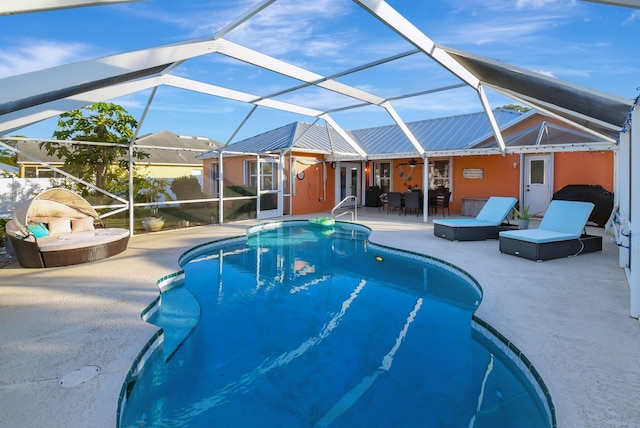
[[544, 72], [35, 55], [635, 16]]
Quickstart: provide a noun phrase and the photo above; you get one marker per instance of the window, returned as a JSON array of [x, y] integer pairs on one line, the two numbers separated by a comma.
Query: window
[[268, 174], [440, 173], [537, 171], [214, 179], [382, 176]]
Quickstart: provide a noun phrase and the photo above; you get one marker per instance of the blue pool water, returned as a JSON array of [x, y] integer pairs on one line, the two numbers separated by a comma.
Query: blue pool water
[[306, 326]]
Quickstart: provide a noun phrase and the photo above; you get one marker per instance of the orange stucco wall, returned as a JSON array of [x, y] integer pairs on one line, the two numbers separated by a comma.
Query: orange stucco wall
[[311, 194], [501, 178], [408, 178], [583, 168]]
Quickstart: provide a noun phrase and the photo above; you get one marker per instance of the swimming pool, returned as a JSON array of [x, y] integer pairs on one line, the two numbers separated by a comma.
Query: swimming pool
[[300, 325]]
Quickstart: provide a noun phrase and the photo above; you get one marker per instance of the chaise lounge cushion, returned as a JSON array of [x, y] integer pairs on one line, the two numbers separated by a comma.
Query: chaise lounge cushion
[[83, 239], [563, 220], [493, 213]]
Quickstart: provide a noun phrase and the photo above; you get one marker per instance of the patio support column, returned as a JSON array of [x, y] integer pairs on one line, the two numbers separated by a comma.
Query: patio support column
[[622, 197], [425, 189], [634, 213]]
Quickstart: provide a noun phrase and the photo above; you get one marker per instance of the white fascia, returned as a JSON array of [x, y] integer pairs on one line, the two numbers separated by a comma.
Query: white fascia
[[403, 127], [344, 135]]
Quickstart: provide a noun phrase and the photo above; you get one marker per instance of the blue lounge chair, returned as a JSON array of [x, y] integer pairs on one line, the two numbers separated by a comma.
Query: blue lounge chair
[[487, 224], [560, 234]]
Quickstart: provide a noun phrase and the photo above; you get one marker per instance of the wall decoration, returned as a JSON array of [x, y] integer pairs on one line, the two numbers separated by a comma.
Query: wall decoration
[[473, 173]]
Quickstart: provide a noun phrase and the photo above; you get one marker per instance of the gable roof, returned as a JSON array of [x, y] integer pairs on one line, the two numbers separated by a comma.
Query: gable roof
[[298, 136], [164, 148], [446, 133], [167, 148]]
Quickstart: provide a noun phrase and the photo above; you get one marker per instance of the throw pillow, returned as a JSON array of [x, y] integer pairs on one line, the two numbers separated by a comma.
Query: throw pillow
[[59, 226], [39, 230], [82, 224]]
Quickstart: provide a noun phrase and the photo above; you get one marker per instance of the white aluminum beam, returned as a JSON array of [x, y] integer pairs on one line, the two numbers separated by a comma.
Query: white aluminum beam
[[243, 18], [344, 135], [634, 214], [232, 50], [492, 119], [13, 7], [398, 23], [66, 76], [403, 127], [231, 94], [11, 121]]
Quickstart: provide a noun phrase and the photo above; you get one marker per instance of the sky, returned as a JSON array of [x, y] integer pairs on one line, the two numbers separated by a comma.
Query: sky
[[588, 44]]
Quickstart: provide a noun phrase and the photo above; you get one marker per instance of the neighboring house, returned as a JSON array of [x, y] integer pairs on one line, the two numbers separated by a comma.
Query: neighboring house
[[320, 167], [170, 156]]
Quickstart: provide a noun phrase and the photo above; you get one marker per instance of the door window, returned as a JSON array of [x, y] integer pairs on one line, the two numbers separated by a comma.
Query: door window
[[536, 171]]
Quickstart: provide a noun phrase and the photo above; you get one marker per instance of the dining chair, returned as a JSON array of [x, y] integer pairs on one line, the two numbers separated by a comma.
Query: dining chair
[[442, 202], [412, 202], [395, 202]]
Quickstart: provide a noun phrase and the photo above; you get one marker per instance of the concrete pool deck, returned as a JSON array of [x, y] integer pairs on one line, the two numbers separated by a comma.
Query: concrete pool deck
[[569, 316]]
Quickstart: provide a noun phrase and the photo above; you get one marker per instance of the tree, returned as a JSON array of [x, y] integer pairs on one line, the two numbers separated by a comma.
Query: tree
[[100, 122], [516, 107], [151, 189], [8, 156]]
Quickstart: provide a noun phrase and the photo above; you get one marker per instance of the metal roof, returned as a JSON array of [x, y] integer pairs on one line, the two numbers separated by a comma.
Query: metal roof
[[163, 147], [446, 133], [298, 136]]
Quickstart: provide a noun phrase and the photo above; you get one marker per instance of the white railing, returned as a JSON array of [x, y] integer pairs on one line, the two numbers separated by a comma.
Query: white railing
[[354, 212]]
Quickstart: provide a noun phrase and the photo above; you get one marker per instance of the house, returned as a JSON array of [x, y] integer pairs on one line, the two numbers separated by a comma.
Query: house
[[320, 167], [170, 156]]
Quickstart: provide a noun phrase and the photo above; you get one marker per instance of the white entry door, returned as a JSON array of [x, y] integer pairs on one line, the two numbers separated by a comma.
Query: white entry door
[[269, 190], [349, 182], [537, 183]]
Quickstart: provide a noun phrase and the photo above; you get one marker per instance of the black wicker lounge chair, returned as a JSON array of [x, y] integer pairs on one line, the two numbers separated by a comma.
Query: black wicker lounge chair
[[560, 234], [489, 222]]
